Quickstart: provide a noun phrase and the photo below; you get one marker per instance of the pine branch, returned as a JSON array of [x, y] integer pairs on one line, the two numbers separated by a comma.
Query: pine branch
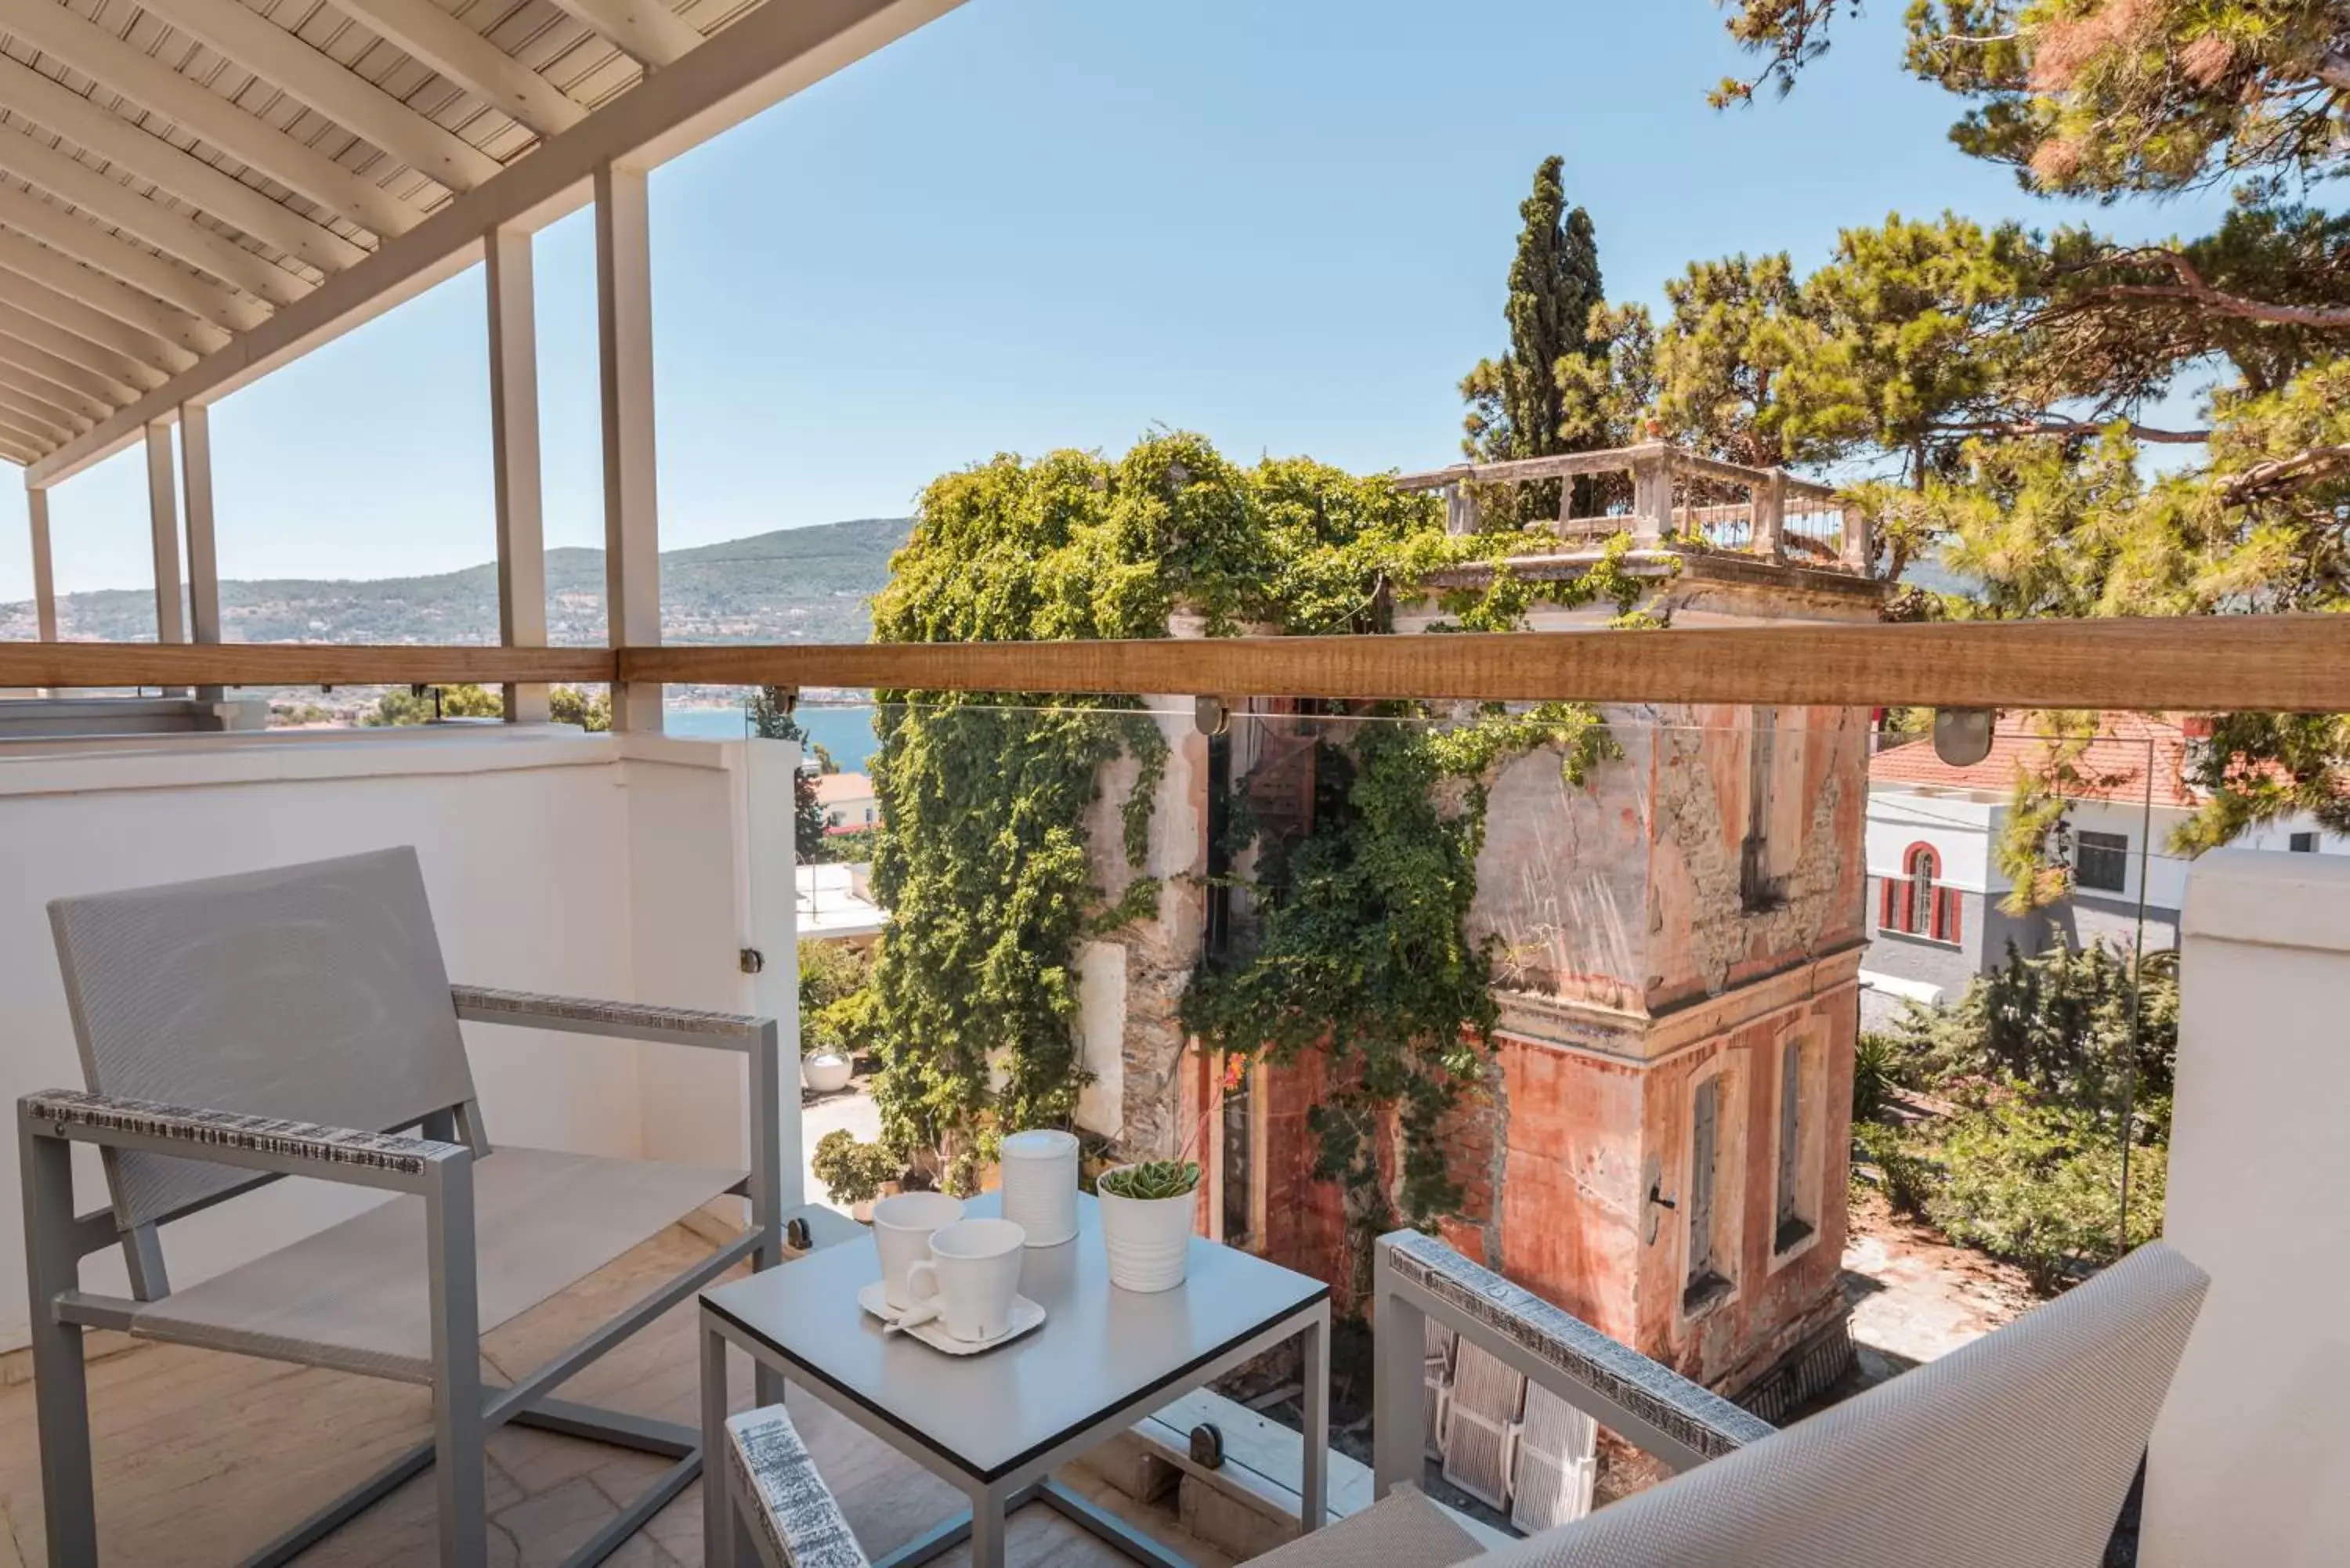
[[2192, 289], [2318, 463], [2049, 424]]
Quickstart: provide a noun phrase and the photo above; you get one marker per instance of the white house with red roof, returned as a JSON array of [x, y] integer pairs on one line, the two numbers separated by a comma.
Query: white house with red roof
[[1934, 883]]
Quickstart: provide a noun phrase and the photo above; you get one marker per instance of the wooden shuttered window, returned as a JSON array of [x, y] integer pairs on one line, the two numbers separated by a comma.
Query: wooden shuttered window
[[1705, 1273]]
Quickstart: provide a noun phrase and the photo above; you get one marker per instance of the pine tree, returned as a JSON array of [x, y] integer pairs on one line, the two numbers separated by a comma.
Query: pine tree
[[1514, 402]]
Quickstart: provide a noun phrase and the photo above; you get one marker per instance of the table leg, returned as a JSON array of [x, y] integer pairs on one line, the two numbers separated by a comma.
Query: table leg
[[1314, 1501], [718, 1534], [988, 1511]]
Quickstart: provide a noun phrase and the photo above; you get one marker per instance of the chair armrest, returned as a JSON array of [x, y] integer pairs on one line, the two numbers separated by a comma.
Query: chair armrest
[[231, 1137], [790, 1510], [1609, 1381], [623, 1020]]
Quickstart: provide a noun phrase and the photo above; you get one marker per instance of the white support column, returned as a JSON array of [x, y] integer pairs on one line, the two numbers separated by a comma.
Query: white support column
[[514, 446], [45, 577], [2251, 1456], [203, 559], [163, 524], [624, 321]]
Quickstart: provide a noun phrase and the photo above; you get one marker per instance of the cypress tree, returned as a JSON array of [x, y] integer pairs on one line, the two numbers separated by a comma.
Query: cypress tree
[[1514, 402]]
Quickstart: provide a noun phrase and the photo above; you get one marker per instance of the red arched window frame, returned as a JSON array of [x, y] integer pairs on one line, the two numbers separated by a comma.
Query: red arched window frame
[[1915, 903]]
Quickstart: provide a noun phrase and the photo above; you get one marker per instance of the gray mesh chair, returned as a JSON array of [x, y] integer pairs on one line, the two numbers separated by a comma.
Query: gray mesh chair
[[2014, 1452], [299, 1022]]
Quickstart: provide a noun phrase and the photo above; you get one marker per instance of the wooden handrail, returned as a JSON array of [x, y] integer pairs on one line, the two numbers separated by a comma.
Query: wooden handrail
[[72, 664], [2217, 663], [2220, 663]]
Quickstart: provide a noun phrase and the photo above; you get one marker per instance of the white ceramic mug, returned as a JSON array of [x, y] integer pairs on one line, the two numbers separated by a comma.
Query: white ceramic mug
[[971, 1277], [901, 1233]]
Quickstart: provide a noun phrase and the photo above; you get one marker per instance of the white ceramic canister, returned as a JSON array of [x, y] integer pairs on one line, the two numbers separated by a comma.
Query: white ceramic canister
[[1040, 1184]]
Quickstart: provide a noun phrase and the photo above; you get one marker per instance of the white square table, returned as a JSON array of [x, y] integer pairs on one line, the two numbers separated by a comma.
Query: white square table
[[995, 1425]]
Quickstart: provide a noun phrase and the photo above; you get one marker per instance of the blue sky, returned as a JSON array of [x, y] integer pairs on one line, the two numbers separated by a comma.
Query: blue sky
[[1056, 222]]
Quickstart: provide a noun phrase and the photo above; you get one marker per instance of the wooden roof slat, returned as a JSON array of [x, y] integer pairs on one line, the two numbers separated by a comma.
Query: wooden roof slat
[[211, 303], [89, 303], [59, 109], [19, 349], [151, 358], [174, 233], [32, 413], [332, 89], [14, 373], [466, 58], [647, 29], [44, 333]]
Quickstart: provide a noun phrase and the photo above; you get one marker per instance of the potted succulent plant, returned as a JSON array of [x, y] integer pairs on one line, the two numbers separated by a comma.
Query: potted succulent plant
[[1145, 1221]]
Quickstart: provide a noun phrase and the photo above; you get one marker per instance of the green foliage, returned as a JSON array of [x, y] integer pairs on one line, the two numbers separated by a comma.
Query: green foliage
[[836, 1001], [2061, 1024], [850, 846], [770, 719], [1153, 1178], [2039, 1182], [2104, 97], [1515, 406], [987, 857], [405, 705], [1877, 1068], [2061, 1067], [591, 710], [1910, 1178], [852, 1173]]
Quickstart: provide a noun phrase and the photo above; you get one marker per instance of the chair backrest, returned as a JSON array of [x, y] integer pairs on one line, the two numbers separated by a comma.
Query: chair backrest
[[2014, 1452], [310, 992]]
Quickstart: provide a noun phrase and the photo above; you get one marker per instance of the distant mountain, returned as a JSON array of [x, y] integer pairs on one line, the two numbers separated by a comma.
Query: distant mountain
[[797, 585]]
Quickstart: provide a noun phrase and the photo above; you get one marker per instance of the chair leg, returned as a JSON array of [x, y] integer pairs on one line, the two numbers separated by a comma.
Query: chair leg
[[460, 1435], [60, 1380]]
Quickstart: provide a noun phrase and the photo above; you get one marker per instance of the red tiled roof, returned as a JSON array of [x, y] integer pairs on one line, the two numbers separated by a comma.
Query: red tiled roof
[[2113, 768]]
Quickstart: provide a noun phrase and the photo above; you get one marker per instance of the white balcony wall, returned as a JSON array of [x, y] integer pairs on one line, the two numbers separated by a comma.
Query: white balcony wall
[[2252, 1459], [635, 868]]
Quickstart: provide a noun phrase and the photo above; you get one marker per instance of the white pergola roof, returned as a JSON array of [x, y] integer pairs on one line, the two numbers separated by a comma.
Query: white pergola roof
[[193, 192]]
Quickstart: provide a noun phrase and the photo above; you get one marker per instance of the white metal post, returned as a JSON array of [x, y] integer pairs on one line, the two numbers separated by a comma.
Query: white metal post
[[624, 321], [514, 446], [163, 526], [44, 578], [203, 558]]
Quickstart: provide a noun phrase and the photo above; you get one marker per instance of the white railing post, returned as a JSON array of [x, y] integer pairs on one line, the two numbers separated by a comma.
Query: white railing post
[[624, 318], [45, 577], [1769, 502], [1398, 1374], [1859, 544], [163, 531], [1652, 496], [204, 553], [515, 460]]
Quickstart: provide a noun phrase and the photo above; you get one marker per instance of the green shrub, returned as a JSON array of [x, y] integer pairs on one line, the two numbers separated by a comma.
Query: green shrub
[[1876, 1072], [2040, 1185], [1910, 1178], [853, 1172]]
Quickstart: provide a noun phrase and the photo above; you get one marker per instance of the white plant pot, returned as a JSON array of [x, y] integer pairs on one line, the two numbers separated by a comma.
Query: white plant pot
[[1149, 1239], [827, 1072]]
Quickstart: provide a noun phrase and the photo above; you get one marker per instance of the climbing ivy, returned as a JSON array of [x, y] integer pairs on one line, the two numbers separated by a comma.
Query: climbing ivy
[[986, 859]]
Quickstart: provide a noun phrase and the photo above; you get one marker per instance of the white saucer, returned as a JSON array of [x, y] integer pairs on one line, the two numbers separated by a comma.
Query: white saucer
[[1026, 1315]]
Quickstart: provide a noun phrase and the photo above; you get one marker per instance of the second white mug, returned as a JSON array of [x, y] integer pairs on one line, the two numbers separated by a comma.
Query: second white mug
[[902, 1227], [970, 1278]]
